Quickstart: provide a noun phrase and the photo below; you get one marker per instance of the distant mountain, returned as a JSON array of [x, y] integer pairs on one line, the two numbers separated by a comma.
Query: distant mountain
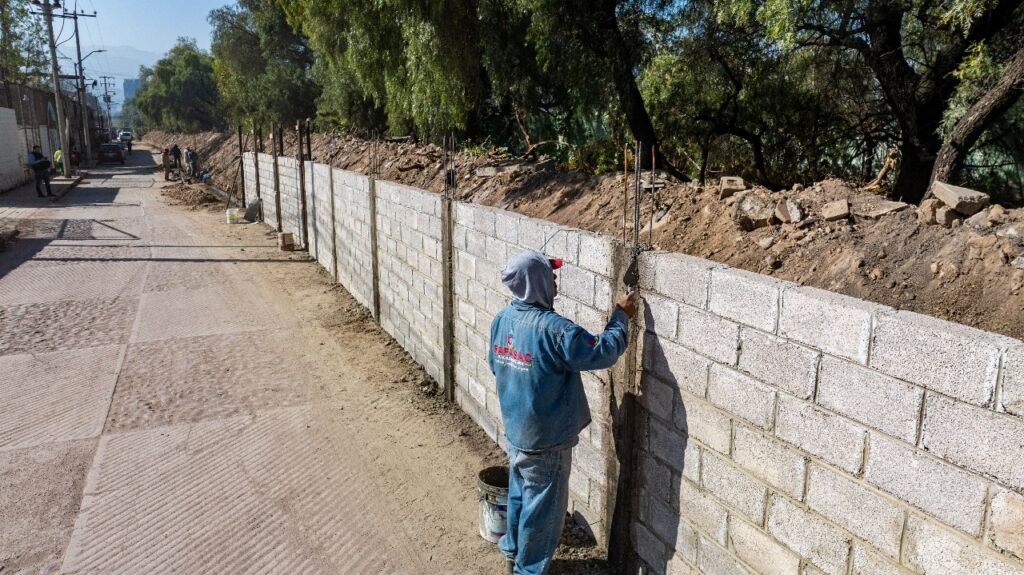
[[121, 62]]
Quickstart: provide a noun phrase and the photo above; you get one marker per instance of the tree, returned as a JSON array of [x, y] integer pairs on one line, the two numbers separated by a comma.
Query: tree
[[22, 43], [179, 92], [262, 67], [913, 48]]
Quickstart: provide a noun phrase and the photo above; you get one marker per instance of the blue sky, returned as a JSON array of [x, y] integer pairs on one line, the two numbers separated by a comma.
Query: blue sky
[[148, 25]]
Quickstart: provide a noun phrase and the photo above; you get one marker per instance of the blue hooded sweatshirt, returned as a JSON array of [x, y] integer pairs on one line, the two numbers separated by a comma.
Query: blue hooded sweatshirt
[[537, 355]]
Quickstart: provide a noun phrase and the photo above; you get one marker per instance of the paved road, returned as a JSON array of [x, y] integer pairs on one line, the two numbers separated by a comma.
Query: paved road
[[163, 411]]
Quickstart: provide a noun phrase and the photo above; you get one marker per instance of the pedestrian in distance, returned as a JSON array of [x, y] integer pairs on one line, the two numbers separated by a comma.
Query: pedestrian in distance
[[536, 356], [57, 157], [165, 160], [190, 161], [176, 155], [41, 170]]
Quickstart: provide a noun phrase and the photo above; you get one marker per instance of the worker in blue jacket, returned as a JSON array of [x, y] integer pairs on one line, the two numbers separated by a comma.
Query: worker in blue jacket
[[536, 356]]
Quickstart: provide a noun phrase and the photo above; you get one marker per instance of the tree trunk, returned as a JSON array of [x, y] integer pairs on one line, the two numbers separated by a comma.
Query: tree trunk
[[979, 117], [705, 153], [916, 165], [630, 99]]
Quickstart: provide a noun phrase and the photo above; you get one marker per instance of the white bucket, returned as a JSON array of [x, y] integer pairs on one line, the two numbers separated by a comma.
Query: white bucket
[[492, 494], [235, 216]]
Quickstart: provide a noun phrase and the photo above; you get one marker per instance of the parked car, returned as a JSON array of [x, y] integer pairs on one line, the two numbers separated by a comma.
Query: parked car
[[126, 135], [111, 153]]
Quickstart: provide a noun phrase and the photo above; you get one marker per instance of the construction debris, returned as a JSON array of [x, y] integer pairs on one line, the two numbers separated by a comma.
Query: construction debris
[[789, 211], [837, 210], [731, 185], [752, 212], [964, 200]]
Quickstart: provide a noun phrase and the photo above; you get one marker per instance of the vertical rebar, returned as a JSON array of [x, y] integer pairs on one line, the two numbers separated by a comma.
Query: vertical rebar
[[650, 230]]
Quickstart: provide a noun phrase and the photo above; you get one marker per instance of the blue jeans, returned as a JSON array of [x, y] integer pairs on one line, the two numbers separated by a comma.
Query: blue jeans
[[42, 178], [538, 496]]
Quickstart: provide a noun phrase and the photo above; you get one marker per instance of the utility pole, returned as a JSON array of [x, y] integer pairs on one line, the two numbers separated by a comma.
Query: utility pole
[[61, 128], [86, 139], [106, 98]]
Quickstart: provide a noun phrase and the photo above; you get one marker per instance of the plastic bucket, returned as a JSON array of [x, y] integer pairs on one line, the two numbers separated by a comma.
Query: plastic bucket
[[234, 216], [492, 494]]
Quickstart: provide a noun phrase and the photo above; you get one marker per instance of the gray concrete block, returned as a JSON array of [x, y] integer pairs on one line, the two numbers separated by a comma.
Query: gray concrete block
[[856, 508], [496, 251], [708, 335], [738, 394], [871, 398], [691, 462], [1006, 522], [577, 283], [660, 315], [746, 297], [978, 439], [701, 510], [728, 483], [484, 220], [680, 277], [676, 365], [946, 492], [714, 559], [867, 562], [947, 357], [666, 444], [759, 550], [929, 548], [810, 536], [596, 253], [833, 323], [664, 522], [770, 461], [787, 366], [1012, 399], [830, 437], [657, 397], [647, 546], [703, 422], [506, 226], [656, 477], [532, 233]]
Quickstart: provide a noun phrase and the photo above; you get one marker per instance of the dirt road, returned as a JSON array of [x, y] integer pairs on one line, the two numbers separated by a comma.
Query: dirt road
[[181, 397]]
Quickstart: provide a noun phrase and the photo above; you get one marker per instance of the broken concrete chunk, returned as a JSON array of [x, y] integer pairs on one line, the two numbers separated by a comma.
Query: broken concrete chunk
[[964, 200], [945, 216], [766, 243], [877, 208], [789, 211], [753, 212], [730, 185], [487, 171], [926, 211], [978, 221], [997, 214], [1019, 263], [837, 210]]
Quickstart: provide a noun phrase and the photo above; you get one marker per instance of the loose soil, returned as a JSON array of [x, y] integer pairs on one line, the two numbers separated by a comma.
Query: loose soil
[[970, 275]]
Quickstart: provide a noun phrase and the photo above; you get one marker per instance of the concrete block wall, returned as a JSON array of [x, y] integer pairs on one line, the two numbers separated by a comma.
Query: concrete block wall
[[265, 164], [13, 153], [483, 239], [291, 212], [410, 271], [249, 173], [352, 228], [788, 430], [320, 207]]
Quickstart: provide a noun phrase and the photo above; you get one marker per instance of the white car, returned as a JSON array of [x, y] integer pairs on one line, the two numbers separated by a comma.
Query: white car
[[126, 135]]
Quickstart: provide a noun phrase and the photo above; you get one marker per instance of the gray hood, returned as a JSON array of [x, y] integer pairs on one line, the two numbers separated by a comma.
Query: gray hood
[[528, 275]]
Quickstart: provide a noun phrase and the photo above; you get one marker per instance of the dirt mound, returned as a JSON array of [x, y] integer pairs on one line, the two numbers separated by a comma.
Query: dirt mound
[[845, 240], [193, 195]]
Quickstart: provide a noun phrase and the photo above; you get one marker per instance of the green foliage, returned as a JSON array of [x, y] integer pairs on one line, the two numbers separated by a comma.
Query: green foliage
[[23, 42], [179, 93], [262, 68]]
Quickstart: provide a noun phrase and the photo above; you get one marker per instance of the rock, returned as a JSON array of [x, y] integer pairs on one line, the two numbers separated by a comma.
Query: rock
[[982, 242], [772, 262], [730, 185], [766, 243], [926, 211], [837, 210], [797, 235], [944, 216], [875, 274], [752, 212], [807, 223], [934, 267], [957, 222], [964, 200], [978, 221], [876, 208], [1010, 231], [487, 171], [1018, 263], [997, 214], [881, 254], [798, 187], [789, 211]]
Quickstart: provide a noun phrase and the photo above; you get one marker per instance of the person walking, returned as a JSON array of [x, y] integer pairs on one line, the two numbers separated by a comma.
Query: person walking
[[536, 356], [41, 170]]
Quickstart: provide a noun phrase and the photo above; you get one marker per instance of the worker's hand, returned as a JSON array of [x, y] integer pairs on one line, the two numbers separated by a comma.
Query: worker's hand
[[627, 303]]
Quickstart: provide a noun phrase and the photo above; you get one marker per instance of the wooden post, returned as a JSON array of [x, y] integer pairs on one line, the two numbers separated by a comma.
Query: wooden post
[[302, 186]]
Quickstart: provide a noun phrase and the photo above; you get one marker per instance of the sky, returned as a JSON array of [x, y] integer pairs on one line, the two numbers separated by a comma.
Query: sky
[[134, 33]]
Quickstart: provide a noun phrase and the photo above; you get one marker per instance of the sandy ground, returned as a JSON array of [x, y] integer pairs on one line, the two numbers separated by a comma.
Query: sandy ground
[[182, 397], [969, 274]]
